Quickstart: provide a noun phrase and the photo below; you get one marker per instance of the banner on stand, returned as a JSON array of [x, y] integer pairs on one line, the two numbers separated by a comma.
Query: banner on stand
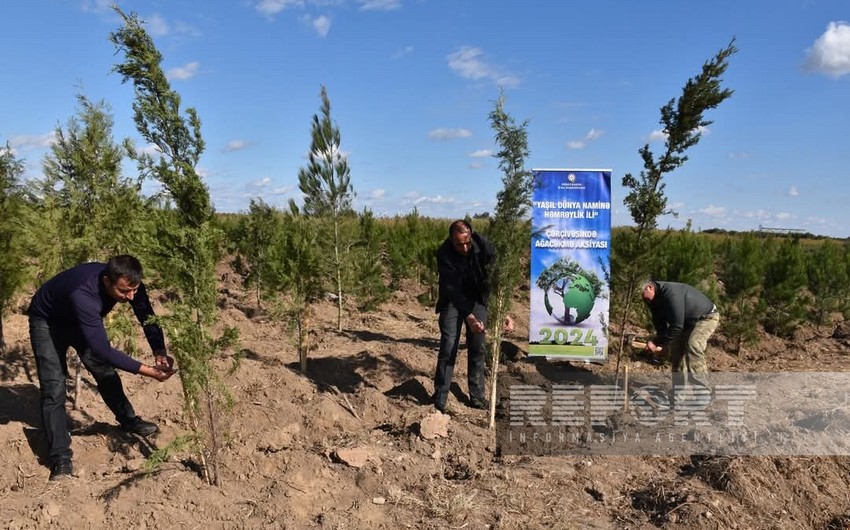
[[570, 261]]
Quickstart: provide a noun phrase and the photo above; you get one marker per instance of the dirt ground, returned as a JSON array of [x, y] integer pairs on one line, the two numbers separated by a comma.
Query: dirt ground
[[353, 444]]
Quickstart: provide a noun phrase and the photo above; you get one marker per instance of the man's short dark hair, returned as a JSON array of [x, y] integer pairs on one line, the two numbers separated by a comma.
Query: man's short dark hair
[[461, 225], [124, 266]]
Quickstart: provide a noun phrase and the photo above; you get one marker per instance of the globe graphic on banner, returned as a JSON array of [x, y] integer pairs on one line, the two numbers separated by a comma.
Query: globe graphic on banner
[[579, 296]]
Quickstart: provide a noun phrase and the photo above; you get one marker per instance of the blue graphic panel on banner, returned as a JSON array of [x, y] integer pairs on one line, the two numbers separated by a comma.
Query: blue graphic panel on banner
[[570, 258]]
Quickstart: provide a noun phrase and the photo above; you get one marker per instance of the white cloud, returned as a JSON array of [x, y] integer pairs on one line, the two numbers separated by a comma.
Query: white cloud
[[282, 190], [151, 150], [28, 143], [377, 194], [436, 199], [97, 6], [379, 5], [657, 136], [273, 7], [661, 136], [594, 134], [481, 153], [793, 191], [265, 182], [713, 211], [476, 165], [321, 25], [449, 134], [830, 54], [407, 50], [183, 72], [783, 216], [591, 135], [469, 62], [235, 145], [156, 25]]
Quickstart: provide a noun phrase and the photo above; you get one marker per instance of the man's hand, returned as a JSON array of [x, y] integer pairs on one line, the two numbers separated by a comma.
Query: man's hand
[[164, 361], [509, 324], [651, 347], [474, 325], [156, 372]]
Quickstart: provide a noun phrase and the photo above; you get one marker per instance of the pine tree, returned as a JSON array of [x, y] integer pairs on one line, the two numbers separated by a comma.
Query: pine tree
[[94, 211], [255, 235], [687, 257], [828, 275], [187, 241], [295, 275], [327, 189], [369, 286], [784, 286], [12, 253], [741, 274]]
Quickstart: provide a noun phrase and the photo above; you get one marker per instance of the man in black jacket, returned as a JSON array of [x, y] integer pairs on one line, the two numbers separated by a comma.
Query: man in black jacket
[[67, 311], [684, 319], [464, 261]]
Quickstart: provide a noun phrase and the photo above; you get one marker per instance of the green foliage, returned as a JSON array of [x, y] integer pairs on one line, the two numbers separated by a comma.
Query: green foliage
[[328, 193], [295, 275], [187, 241], [411, 243], [326, 181], [828, 273], [90, 209], [162, 454], [682, 121], [687, 257], [12, 249], [783, 293], [253, 238], [369, 286], [510, 229], [742, 266], [159, 121], [122, 330]]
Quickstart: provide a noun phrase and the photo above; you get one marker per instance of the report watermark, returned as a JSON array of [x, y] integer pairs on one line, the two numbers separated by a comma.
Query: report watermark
[[775, 413]]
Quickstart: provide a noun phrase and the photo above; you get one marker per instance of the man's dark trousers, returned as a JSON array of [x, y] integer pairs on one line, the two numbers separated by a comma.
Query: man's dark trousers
[[450, 324], [50, 344]]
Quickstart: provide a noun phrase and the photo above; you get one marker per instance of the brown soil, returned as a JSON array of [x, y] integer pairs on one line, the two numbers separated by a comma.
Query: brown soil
[[353, 444]]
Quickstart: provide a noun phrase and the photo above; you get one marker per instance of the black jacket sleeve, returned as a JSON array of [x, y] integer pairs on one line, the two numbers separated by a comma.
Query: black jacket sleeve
[[143, 310]]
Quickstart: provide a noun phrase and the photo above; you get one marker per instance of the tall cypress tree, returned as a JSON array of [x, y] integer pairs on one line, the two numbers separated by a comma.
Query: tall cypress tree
[[682, 121], [510, 229], [187, 240]]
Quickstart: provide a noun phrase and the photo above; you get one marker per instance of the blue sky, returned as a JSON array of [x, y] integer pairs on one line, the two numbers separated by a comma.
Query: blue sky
[[411, 83]]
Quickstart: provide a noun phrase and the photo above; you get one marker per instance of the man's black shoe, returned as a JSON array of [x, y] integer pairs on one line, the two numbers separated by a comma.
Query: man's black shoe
[[61, 469], [480, 404], [438, 403], [139, 426]]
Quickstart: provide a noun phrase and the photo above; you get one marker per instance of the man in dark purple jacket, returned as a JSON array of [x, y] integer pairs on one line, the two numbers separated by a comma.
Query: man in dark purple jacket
[[67, 311]]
